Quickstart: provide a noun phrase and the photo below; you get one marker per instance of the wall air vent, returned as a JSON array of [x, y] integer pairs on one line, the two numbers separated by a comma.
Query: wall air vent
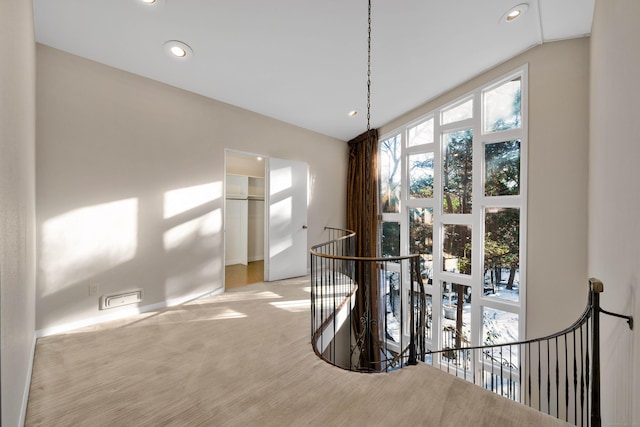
[[120, 299]]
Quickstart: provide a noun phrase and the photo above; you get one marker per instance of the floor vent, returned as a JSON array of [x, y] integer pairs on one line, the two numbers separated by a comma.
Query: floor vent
[[117, 300]]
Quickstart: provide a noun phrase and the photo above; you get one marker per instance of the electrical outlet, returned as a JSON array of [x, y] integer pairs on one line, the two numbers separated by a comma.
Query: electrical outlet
[[93, 290]]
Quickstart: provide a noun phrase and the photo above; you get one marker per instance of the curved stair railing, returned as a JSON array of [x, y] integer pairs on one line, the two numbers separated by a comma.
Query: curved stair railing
[[357, 328], [352, 325], [558, 374]]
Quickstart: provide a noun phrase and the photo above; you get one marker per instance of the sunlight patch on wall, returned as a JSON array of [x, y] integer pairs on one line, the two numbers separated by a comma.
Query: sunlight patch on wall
[[88, 241], [184, 199], [188, 232], [280, 180]]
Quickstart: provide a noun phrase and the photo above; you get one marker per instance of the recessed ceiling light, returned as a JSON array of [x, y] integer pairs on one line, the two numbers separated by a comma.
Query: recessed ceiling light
[[177, 50], [353, 113], [151, 4], [514, 13]]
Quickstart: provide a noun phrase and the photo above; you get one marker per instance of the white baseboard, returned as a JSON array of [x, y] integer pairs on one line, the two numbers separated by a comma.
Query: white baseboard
[[27, 385], [121, 314]]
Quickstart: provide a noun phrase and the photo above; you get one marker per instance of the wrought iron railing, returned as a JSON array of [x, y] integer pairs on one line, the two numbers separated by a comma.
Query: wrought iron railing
[[360, 318], [370, 314], [558, 374]]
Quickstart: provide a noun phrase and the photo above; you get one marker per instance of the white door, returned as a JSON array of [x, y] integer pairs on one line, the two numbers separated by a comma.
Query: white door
[[286, 220], [236, 231]]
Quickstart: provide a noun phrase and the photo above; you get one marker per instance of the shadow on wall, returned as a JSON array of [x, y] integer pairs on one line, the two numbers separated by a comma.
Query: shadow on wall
[[169, 246]]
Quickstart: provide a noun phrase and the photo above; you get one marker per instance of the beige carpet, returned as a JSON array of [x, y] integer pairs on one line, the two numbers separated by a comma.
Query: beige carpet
[[240, 359]]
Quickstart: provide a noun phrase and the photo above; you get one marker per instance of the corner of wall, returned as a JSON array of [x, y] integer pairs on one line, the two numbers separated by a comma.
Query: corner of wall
[[17, 208], [27, 386]]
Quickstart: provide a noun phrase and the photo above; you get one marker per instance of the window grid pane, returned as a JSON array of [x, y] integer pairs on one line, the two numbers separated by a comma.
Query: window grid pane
[[459, 112], [420, 134], [502, 107], [502, 253], [420, 175], [442, 143], [421, 240], [457, 170], [390, 239], [500, 327], [456, 315], [456, 250], [390, 173], [502, 168]]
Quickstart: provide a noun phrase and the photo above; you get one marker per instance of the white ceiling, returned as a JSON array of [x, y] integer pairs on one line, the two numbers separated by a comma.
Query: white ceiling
[[305, 62]]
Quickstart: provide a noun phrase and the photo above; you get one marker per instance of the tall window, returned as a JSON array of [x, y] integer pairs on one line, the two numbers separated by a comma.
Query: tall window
[[453, 189]]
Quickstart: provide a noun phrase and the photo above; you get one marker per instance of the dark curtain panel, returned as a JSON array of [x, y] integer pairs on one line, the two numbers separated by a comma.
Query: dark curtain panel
[[362, 217], [362, 192]]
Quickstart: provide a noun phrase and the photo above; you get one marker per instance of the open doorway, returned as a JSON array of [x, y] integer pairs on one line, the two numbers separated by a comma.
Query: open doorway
[[244, 218]]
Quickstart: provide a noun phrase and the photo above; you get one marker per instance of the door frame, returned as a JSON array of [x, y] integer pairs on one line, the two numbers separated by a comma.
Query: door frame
[[224, 215]]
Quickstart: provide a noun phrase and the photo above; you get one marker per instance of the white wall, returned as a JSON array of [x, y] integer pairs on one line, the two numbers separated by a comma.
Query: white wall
[[614, 205], [245, 164], [557, 281], [17, 212], [130, 185]]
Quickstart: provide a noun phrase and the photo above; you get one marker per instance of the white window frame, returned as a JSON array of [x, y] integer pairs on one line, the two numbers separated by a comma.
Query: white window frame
[[479, 202]]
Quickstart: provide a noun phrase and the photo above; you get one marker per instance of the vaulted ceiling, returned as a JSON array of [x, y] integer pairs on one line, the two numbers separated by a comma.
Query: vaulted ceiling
[[305, 62]]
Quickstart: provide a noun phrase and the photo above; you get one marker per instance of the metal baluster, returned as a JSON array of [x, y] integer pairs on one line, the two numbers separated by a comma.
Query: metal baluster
[[575, 381], [333, 294], [501, 372], [529, 369], [511, 394], [402, 302], [313, 300], [587, 370], [321, 298], [582, 391], [594, 299], [566, 379], [349, 266], [557, 381], [539, 378], [548, 378], [473, 364], [521, 365], [493, 375], [464, 367]]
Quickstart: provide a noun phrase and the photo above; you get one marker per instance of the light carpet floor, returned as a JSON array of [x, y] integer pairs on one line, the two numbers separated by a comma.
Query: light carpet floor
[[243, 358]]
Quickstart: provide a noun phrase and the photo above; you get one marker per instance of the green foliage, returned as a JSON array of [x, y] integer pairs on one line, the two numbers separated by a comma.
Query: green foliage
[[457, 244], [421, 238], [502, 164], [390, 239], [421, 185], [502, 239], [457, 168]]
